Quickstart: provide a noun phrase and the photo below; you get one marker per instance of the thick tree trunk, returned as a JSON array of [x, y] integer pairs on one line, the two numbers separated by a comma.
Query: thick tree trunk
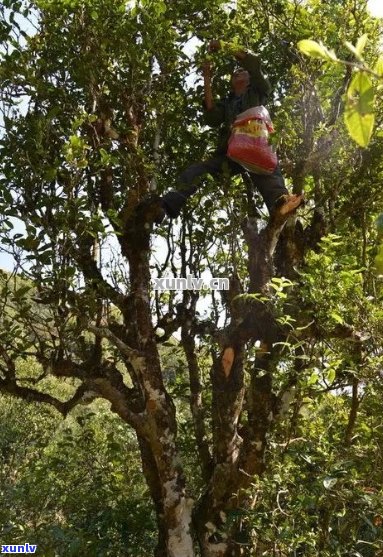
[[238, 445], [149, 468], [157, 439], [161, 465], [165, 479]]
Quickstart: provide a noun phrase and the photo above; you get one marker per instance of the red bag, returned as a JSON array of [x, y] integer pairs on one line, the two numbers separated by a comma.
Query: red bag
[[248, 143]]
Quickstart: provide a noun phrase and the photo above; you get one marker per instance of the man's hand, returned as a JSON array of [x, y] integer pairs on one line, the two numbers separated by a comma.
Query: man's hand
[[214, 46], [229, 48]]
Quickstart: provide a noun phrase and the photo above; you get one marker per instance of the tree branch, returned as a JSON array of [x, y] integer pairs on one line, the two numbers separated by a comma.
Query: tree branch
[[197, 410], [104, 332], [32, 395]]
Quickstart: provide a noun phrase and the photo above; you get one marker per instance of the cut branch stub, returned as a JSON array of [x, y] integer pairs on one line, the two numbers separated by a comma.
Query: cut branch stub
[[227, 360]]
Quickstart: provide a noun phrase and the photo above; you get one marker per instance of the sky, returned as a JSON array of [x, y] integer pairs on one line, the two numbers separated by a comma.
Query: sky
[[375, 7]]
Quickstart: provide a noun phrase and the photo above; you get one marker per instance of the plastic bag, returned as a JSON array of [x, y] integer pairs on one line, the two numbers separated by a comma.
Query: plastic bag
[[248, 143]]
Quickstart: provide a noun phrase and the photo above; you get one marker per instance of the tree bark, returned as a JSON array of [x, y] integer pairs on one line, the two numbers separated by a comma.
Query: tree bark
[[161, 463]]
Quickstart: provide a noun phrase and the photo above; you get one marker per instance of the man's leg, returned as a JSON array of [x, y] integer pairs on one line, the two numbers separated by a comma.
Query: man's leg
[[191, 178], [274, 192]]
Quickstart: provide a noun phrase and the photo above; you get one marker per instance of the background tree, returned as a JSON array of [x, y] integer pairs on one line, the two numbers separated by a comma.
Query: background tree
[[97, 113]]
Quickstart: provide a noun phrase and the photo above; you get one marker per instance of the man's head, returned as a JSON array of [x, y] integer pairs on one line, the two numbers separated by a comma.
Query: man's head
[[240, 80]]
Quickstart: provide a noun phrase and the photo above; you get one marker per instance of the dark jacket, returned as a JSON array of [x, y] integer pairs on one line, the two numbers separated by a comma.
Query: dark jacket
[[225, 111]]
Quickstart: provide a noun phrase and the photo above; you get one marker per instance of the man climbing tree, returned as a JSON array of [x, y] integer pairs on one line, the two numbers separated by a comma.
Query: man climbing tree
[[249, 88], [250, 417]]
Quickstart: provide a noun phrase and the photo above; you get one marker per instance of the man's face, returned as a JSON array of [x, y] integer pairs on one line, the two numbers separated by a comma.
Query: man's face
[[240, 80]]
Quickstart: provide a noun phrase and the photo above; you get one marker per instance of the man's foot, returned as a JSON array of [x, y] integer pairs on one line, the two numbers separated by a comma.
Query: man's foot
[[151, 210], [288, 203]]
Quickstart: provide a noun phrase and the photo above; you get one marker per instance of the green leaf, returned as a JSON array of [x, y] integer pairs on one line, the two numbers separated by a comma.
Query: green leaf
[[379, 223], [311, 48], [331, 375], [359, 48], [22, 291], [231, 47], [316, 50], [336, 317], [313, 379], [361, 44], [352, 48], [359, 113], [378, 69], [75, 141], [379, 260], [50, 174]]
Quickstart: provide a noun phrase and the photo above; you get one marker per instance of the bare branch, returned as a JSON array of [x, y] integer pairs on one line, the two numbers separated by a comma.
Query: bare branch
[[129, 352], [10, 370], [196, 405], [32, 395]]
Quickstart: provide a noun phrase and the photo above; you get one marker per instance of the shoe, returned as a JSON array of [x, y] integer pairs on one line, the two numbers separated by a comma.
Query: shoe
[[151, 209], [288, 203]]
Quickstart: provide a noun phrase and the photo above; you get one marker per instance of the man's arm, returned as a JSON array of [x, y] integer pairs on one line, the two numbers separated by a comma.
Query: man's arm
[[214, 112], [250, 62]]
